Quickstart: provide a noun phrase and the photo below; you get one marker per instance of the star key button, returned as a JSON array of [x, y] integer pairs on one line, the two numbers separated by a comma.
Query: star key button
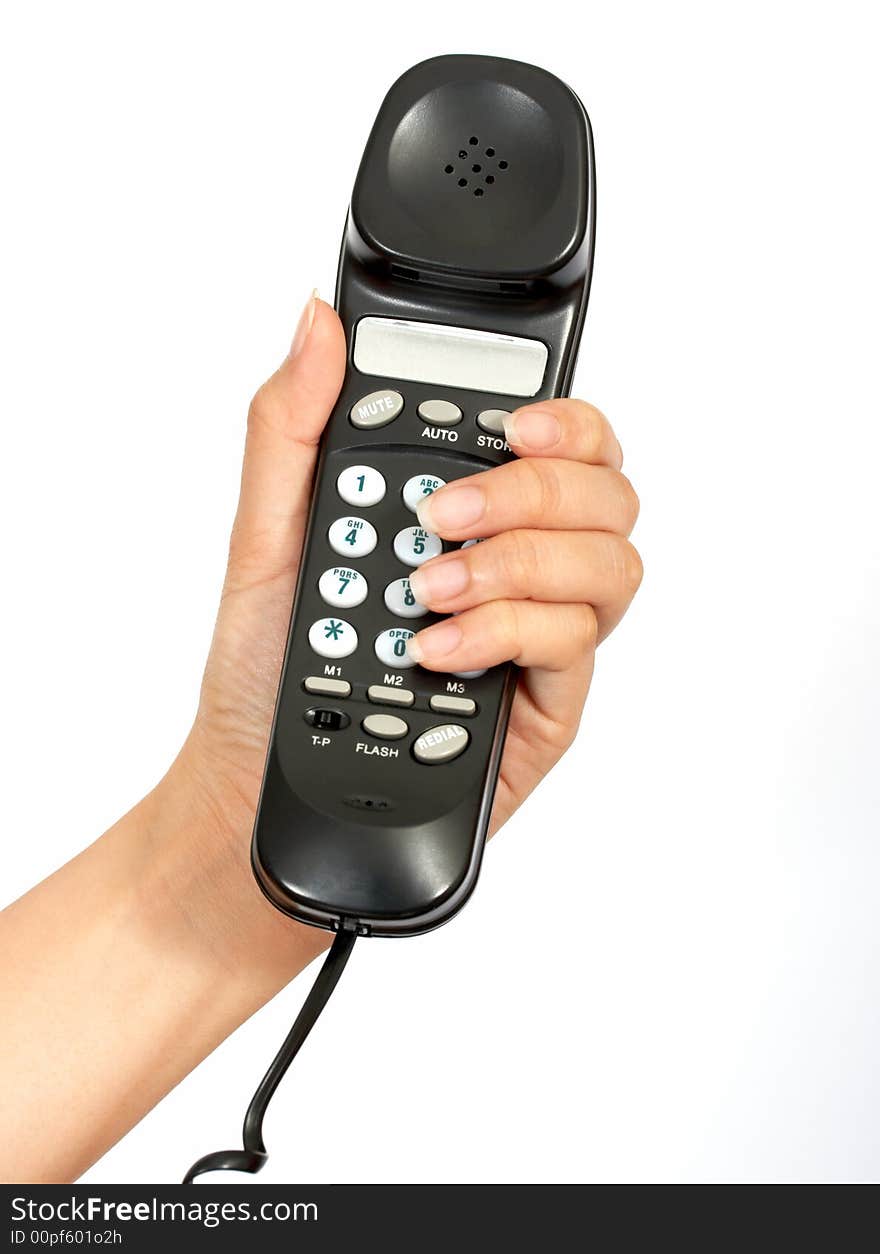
[[333, 637]]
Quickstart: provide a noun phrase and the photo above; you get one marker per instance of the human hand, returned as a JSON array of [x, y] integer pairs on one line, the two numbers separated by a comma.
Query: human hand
[[553, 576], [168, 889]]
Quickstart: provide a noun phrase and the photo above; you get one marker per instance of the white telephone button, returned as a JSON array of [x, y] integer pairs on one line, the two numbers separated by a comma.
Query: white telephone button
[[417, 487], [400, 600], [360, 485], [333, 637], [352, 537], [414, 545], [342, 587], [391, 648]]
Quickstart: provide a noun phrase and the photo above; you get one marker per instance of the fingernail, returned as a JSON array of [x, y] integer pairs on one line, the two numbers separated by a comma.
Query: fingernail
[[434, 642], [307, 317], [440, 580], [452, 508], [533, 428]]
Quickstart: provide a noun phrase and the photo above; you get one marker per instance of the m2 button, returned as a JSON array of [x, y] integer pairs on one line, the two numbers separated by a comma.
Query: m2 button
[[376, 410], [441, 744], [440, 413]]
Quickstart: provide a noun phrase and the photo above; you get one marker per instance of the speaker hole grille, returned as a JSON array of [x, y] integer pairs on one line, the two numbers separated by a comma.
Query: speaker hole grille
[[476, 167]]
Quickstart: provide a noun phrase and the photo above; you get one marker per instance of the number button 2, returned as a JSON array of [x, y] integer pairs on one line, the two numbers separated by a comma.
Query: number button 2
[[419, 486]]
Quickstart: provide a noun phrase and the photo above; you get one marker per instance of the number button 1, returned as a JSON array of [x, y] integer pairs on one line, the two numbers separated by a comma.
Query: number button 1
[[360, 485], [342, 587]]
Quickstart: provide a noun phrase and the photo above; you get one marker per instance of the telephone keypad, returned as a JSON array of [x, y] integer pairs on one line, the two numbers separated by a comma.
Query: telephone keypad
[[346, 586]]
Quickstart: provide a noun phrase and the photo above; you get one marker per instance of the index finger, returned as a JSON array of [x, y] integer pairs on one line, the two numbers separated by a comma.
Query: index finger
[[563, 428]]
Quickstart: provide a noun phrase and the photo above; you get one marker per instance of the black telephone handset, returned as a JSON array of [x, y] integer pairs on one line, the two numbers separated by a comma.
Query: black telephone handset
[[462, 287]]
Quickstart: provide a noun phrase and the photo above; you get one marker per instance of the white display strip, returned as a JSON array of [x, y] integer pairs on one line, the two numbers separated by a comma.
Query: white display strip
[[428, 352]]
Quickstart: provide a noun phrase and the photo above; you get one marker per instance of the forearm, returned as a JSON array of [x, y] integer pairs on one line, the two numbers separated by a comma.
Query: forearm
[[121, 972]]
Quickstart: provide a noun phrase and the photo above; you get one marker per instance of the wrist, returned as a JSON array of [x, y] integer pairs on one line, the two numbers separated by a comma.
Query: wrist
[[200, 893]]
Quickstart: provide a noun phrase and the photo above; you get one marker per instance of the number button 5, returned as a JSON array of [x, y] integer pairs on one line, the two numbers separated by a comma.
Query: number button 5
[[414, 545]]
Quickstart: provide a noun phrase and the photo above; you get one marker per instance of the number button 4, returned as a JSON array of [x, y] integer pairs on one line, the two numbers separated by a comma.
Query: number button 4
[[352, 537]]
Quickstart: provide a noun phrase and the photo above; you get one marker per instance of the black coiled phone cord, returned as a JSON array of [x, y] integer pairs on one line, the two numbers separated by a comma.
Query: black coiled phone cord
[[253, 1156]]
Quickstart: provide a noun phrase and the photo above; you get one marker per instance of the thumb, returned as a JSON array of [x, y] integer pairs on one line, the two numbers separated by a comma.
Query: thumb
[[285, 422]]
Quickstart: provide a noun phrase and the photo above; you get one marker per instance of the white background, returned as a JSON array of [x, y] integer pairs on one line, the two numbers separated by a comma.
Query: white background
[[670, 969]]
